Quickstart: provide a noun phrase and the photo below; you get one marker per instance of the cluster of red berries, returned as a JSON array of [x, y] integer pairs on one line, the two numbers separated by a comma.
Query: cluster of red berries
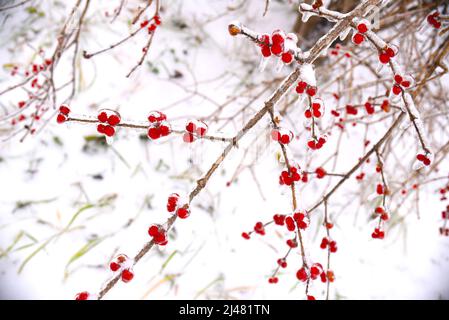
[[378, 234], [433, 18], [316, 144], [332, 244], [282, 135], [159, 234], [337, 49], [382, 213], [401, 83], [259, 228], [63, 114], [278, 44], [297, 220], [173, 205], [303, 86], [315, 110], [273, 280], [360, 176], [194, 129], [362, 28], [351, 110], [122, 264], [315, 271], [152, 26], [108, 119], [386, 54], [282, 262], [289, 177], [424, 158], [369, 107], [159, 127]]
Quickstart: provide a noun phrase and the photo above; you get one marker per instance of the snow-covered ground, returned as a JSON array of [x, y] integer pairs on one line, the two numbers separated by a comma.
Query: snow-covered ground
[[127, 183]]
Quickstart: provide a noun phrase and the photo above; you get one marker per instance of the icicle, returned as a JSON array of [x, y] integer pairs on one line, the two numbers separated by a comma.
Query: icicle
[[418, 165], [379, 67], [306, 16], [300, 101], [109, 140], [279, 66], [263, 64], [344, 34]]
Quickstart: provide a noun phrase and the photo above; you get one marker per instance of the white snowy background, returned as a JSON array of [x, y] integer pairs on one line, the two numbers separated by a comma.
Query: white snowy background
[[207, 258]]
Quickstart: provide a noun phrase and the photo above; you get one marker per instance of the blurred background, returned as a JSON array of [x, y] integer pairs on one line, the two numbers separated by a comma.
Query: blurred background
[[69, 201]]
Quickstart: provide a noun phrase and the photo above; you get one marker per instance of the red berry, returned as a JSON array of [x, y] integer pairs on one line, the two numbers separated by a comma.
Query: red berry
[[191, 127], [282, 263], [127, 275], [277, 37], [320, 173], [324, 243], [266, 52], [309, 297], [301, 87], [333, 246], [362, 27], [156, 116], [287, 57], [153, 230], [396, 90], [379, 210], [113, 119], [302, 275], [279, 219], [369, 108], [109, 131], [390, 52], [188, 137], [151, 28], [273, 280], [183, 212], [61, 118], [290, 223], [358, 38], [154, 133], [164, 129], [82, 296], [114, 266], [311, 91], [259, 228], [384, 58], [398, 79], [351, 110], [277, 49], [380, 189], [100, 128], [64, 109], [292, 243], [245, 235], [102, 117], [275, 135]]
